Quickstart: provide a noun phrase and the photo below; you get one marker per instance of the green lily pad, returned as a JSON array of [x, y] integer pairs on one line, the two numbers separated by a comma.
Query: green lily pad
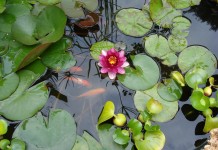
[[80, 144], [93, 144], [97, 47], [177, 44], [107, 112], [135, 126], [8, 85], [133, 22], [37, 67], [24, 103], [74, 8], [162, 13], [57, 57], [169, 108], [199, 101], [53, 133], [199, 57], [153, 140], [145, 75], [181, 4], [180, 27], [196, 76], [170, 90], [169, 59], [156, 46], [49, 2], [18, 144], [121, 136]]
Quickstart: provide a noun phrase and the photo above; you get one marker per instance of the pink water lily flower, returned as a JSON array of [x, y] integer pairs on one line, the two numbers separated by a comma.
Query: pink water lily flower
[[112, 62]]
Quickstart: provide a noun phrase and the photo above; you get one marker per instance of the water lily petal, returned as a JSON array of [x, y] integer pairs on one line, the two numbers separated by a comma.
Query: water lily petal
[[100, 64], [125, 64], [104, 70], [121, 54], [112, 75], [121, 70], [104, 53]]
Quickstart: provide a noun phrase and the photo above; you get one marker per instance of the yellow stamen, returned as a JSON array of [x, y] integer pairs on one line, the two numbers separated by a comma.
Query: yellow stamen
[[112, 60]]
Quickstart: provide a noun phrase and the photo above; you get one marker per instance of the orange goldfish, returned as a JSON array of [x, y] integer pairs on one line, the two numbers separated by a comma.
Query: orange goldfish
[[80, 81], [92, 92], [75, 69]]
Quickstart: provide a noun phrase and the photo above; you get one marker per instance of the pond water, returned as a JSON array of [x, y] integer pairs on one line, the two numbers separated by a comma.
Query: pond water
[[184, 132]]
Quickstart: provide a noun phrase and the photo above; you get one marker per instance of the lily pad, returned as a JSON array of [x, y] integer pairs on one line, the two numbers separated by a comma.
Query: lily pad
[[170, 90], [181, 4], [133, 22], [93, 144], [197, 56], [162, 13], [135, 126], [57, 57], [80, 144], [145, 75], [49, 2], [97, 47], [199, 101], [55, 133], [169, 108], [177, 44], [8, 85], [17, 144], [74, 8], [107, 112], [180, 27], [153, 140], [156, 46], [169, 59]]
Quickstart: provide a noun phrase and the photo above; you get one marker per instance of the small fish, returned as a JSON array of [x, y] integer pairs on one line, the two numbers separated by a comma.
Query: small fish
[[80, 81], [76, 69], [92, 92]]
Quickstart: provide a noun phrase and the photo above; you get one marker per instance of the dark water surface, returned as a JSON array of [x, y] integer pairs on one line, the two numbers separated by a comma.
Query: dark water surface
[[182, 133]]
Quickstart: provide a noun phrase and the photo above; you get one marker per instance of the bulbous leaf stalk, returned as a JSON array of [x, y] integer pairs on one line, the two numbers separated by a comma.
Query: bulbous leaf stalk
[[119, 120]]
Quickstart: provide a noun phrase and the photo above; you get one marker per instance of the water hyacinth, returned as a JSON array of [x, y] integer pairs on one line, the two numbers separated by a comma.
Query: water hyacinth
[[112, 62]]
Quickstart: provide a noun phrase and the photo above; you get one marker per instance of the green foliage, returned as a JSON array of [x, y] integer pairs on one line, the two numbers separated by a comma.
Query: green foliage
[[210, 123], [135, 126], [80, 144], [3, 127], [177, 44], [107, 112], [199, 101], [92, 143], [121, 136]]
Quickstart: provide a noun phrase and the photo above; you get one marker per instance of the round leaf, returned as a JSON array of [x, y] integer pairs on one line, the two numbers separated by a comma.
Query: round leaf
[[169, 59], [49, 2], [107, 112], [17, 144], [92, 143], [80, 144], [197, 56], [97, 47], [145, 75], [177, 44], [169, 108], [170, 90], [8, 85], [199, 101], [135, 126], [120, 138], [181, 4], [58, 133], [133, 22], [156, 46]]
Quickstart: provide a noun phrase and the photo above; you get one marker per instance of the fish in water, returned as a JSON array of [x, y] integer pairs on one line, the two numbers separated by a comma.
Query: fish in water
[[80, 81], [75, 69], [92, 92]]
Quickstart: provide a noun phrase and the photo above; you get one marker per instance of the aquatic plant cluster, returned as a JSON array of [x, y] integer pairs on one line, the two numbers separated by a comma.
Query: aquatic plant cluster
[[32, 40]]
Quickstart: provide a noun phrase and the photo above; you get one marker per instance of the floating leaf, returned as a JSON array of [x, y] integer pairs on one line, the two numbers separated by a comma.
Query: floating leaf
[[17, 144], [170, 90], [135, 126], [153, 140], [144, 76], [107, 112], [121, 136], [181, 4], [169, 108], [199, 101], [180, 27], [49, 2], [197, 56], [196, 76], [133, 22], [8, 85], [55, 133], [37, 67], [177, 44], [210, 123], [169, 59], [80, 144], [156, 46], [2, 6], [162, 13], [97, 47], [93, 144], [57, 57]]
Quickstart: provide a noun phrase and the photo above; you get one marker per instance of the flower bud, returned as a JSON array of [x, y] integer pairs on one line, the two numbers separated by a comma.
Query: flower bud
[[178, 77], [119, 120], [207, 91]]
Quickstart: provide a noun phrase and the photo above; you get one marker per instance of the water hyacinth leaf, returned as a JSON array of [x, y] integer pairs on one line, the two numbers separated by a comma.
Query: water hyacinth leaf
[[153, 140], [49, 2], [196, 76], [177, 44], [18, 144], [170, 90], [80, 144], [92, 143], [121, 136], [210, 123], [17, 9], [169, 59], [74, 8], [199, 101], [37, 131], [169, 108], [8, 85], [156, 46], [135, 126], [107, 112], [162, 13], [145, 75], [105, 132], [57, 57], [97, 47], [133, 22], [197, 56]]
